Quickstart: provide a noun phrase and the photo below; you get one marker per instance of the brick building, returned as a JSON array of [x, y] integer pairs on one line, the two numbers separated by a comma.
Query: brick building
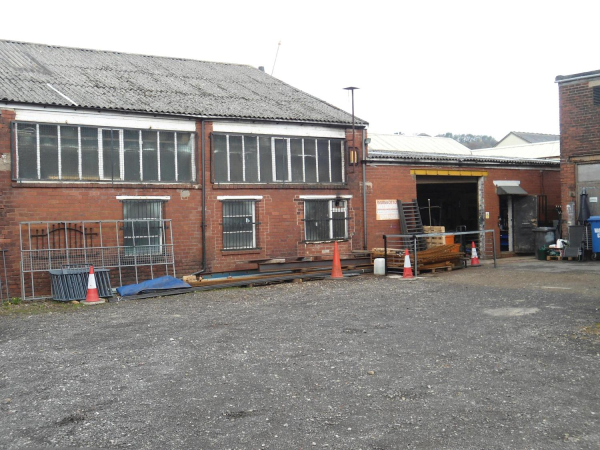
[[467, 190], [579, 102], [119, 159], [149, 165]]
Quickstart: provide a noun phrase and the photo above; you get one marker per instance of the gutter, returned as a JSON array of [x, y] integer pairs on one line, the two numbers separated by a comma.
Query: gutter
[[364, 186], [582, 77], [203, 158], [157, 114], [463, 163]]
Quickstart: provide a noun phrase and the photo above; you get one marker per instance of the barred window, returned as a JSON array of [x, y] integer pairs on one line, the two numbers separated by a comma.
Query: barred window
[[270, 159], [239, 224], [143, 227], [325, 220], [81, 153]]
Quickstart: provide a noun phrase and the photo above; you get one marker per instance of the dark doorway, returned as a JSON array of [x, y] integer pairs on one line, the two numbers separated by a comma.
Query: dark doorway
[[525, 220], [450, 204]]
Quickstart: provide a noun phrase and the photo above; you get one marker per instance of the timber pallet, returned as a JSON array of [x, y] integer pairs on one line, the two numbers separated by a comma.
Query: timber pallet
[[555, 258], [434, 268]]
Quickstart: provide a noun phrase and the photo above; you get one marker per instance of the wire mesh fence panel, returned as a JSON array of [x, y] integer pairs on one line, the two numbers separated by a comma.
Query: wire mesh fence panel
[[119, 244], [463, 243]]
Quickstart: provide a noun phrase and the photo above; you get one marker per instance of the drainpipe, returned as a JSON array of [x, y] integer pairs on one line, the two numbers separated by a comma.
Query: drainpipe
[[203, 150], [364, 181]]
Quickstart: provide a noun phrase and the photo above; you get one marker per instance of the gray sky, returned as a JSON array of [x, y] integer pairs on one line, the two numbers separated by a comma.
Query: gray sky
[[481, 67]]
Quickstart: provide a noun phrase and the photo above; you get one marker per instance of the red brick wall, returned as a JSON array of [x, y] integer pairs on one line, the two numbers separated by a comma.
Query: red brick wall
[[396, 182], [579, 133], [280, 212]]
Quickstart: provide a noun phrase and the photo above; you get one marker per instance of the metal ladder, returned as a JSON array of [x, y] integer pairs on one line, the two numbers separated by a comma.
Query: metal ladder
[[410, 223]]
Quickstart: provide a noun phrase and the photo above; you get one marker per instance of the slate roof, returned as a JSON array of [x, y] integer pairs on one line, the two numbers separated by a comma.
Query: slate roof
[[534, 138], [64, 76], [531, 138]]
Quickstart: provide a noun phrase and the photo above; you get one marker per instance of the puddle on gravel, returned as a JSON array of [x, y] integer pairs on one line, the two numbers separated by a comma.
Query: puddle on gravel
[[510, 312]]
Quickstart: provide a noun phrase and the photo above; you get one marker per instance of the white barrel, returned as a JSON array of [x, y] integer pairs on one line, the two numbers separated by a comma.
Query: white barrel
[[379, 267]]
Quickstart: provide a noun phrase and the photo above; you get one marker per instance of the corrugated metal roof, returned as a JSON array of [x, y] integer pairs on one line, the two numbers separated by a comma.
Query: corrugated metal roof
[[423, 158], [544, 150], [39, 74], [416, 144]]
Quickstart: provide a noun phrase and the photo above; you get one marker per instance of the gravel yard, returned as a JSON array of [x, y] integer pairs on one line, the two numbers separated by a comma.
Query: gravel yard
[[476, 358]]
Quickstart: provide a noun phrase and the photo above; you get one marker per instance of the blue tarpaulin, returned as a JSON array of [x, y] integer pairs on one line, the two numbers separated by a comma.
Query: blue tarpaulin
[[158, 284]]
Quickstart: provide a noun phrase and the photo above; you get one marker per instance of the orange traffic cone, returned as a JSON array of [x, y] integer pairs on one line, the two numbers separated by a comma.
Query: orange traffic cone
[[336, 269], [474, 258], [407, 273], [92, 296]]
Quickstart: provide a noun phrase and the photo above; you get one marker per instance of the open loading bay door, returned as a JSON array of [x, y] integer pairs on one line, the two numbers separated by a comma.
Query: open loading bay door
[[450, 202]]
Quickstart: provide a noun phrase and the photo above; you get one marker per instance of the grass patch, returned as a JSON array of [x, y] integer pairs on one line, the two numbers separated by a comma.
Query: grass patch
[[17, 307], [592, 330]]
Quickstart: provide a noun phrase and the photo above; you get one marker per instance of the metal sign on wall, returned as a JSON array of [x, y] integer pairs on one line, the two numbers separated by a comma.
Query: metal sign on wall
[[387, 210]]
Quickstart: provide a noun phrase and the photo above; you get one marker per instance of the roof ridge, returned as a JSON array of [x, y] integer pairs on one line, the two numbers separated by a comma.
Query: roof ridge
[[8, 41]]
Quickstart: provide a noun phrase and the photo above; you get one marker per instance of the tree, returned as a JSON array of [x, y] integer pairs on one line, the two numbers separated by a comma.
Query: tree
[[471, 141]]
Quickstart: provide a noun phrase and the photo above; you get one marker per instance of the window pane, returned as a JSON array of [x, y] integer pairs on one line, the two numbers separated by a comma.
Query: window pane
[[89, 153], [110, 154], [131, 155], [297, 162], [27, 151], [336, 161], [310, 160], [323, 155], [251, 159], [235, 159], [281, 160], [167, 156], [238, 224], [339, 219], [142, 235], [266, 160], [184, 157], [150, 155], [49, 152], [220, 157], [316, 215], [69, 153]]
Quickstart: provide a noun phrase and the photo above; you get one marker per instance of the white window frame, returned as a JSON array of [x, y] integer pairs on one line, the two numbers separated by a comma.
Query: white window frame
[[276, 177], [120, 176], [330, 210], [245, 198]]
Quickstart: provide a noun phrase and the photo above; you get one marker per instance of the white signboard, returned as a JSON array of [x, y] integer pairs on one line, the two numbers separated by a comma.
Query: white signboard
[[387, 210]]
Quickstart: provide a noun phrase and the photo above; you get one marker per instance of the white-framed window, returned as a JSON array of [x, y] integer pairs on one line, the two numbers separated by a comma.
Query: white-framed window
[[325, 219], [48, 152], [240, 223], [241, 158], [143, 227]]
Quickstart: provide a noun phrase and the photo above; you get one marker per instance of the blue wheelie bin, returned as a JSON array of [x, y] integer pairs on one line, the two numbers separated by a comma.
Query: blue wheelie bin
[[595, 224]]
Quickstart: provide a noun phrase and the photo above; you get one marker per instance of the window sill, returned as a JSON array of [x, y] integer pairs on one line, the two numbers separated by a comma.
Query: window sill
[[250, 251], [330, 241], [336, 186]]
